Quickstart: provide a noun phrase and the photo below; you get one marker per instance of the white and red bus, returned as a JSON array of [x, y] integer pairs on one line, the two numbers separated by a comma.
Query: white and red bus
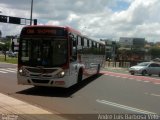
[[57, 56]]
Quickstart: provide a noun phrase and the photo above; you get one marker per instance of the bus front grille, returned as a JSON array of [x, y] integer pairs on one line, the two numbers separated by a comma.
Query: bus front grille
[[40, 81], [41, 70], [37, 75]]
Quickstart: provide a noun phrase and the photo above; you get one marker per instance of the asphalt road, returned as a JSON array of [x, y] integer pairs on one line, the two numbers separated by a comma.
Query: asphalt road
[[108, 93]]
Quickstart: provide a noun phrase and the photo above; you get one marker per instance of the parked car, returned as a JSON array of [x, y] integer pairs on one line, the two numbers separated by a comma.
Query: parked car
[[12, 54], [146, 68]]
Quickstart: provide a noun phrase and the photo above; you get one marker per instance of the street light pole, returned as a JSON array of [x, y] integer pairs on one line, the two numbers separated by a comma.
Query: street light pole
[[31, 12]]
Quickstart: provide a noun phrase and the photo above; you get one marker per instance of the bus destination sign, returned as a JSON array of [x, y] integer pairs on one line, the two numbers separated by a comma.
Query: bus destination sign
[[44, 31]]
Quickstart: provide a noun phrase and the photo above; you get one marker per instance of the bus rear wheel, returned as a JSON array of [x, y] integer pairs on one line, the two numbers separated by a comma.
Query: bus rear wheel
[[98, 69], [80, 75]]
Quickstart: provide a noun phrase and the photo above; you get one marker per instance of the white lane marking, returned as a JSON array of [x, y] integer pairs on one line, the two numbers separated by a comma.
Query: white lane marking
[[156, 83], [124, 77], [7, 70], [155, 95], [124, 107], [146, 81], [138, 80], [2, 72], [152, 94], [14, 69]]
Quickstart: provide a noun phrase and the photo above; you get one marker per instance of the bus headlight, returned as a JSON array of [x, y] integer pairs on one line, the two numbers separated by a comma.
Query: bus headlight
[[61, 74], [23, 72]]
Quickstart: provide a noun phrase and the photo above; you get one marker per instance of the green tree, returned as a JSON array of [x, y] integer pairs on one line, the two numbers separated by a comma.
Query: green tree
[[154, 52]]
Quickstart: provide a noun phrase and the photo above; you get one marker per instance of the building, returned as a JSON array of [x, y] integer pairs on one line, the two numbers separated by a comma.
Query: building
[[132, 42], [110, 49], [131, 49]]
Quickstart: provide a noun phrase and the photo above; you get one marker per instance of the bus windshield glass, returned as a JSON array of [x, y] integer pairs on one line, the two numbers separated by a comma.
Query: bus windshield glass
[[46, 52]]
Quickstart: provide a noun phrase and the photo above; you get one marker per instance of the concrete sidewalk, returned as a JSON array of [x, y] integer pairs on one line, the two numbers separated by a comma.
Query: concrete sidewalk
[[13, 109], [116, 69]]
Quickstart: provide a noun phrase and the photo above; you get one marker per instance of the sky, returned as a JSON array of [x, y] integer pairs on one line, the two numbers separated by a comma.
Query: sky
[[98, 19]]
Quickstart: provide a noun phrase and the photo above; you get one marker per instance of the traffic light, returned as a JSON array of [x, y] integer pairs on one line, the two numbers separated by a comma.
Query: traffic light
[[3, 18], [14, 20]]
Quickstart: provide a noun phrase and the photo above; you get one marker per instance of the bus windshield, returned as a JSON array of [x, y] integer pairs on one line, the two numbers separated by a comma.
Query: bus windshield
[[46, 52]]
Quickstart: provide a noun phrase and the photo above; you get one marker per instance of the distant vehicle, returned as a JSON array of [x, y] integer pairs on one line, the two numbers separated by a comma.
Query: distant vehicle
[[12, 54], [146, 68]]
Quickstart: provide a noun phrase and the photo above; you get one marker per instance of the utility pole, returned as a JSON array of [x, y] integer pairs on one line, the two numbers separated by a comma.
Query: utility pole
[[31, 12], [0, 30]]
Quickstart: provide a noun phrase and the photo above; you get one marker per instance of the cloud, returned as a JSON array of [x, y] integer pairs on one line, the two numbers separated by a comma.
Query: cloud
[[98, 19], [10, 29]]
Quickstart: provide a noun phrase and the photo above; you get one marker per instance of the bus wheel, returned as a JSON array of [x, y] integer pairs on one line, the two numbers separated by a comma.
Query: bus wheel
[[98, 69], [80, 75]]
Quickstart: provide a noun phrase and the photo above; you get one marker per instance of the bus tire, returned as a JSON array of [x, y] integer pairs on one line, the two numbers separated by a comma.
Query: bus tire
[[80, 75], [98, 69]]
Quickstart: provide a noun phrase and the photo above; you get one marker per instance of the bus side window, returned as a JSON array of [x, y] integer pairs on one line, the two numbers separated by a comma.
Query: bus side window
[[82, 41], [74, 43], [85, 46], [73, 49], [79, 46], [87, 43]]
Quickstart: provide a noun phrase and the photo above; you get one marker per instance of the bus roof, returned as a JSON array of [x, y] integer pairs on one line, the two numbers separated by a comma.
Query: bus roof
[[100, 42], [54, 26], [70, 29]]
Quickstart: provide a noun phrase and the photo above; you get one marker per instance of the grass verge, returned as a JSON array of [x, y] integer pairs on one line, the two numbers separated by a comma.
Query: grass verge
[[12, 60]]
